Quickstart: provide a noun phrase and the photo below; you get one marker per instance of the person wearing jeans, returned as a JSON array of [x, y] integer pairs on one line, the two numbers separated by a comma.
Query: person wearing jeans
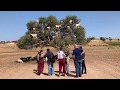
[[50, 69], [78, 65], [77, 60], [49, 55]]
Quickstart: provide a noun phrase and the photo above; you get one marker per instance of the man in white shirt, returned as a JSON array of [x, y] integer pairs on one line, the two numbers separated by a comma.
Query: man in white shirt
[[61, 60]]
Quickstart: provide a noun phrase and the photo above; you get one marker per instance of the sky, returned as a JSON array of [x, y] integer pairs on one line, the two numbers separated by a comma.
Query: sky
[[96, 23]]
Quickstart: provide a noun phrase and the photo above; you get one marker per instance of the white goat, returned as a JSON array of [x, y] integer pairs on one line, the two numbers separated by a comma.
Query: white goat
[[33, 28], [77, 25], [19, 61], [68, 27], [34, 35], [71, 21], [48, 27], [58, 26]]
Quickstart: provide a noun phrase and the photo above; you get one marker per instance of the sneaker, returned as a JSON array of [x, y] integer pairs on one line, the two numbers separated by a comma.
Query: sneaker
[[80, 76], [41, 74], [53, 75], [65, 75]]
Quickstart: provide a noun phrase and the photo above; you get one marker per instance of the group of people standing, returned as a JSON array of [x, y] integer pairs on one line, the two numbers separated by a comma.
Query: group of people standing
[[78, 55]]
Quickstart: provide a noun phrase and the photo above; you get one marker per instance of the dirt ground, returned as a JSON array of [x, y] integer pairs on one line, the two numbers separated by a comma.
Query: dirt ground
[[101, 63]]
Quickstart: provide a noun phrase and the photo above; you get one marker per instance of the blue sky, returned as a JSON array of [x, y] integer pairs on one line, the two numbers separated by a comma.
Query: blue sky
[[96, 23]]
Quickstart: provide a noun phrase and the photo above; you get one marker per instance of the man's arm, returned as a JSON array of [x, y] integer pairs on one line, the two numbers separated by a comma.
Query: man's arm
[[83, 52], [73, 55]]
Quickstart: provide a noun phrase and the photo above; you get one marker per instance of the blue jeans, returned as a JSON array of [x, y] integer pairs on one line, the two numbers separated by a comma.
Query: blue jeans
[[67, 68], [78, 67], [50, 68]]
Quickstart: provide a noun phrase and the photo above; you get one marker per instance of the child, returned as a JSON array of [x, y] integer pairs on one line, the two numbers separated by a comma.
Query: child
[[67, 58]]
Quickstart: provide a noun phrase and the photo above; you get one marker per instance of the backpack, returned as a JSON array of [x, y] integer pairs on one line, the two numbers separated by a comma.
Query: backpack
[[52, 59]]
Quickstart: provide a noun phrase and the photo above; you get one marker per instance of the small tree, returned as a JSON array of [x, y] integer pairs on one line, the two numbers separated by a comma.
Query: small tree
[[102, 38], [110, 39], [118, 39], [89, 39]]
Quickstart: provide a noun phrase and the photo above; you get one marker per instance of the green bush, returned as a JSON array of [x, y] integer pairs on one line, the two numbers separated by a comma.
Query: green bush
[[25, 42]]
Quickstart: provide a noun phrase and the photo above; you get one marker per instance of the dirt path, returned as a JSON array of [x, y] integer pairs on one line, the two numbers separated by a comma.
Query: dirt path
[[101, 70], [101, 64]]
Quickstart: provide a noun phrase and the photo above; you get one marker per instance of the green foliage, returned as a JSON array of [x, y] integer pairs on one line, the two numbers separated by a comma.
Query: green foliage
[[80, 35], [60, 42], [30, 25], [68, 41], [51, 21], [52, 43], [42, 20], [68, 18], [27, 41], [24, 42], [102, 38], [89, 39]]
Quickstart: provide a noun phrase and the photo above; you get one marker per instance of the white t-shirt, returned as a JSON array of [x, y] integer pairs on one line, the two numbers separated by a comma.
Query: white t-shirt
[[61, 54]]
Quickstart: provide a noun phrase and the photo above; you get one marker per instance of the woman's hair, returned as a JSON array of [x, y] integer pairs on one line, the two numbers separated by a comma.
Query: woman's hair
[[80, 47], [39, 52], [61, 48]]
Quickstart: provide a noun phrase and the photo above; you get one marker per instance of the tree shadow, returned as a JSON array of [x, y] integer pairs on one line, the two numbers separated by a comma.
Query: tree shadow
[[45, 74], [56, 71], [71, 75], [35, 71], [72, 71]]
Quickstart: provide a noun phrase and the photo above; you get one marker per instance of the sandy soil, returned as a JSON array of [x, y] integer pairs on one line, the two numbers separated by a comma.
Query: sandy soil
[[101, 62]]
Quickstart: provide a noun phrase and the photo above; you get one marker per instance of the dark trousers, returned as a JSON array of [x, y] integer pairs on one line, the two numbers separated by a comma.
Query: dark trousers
[[40, 66], [62, 64], [83, 67]]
